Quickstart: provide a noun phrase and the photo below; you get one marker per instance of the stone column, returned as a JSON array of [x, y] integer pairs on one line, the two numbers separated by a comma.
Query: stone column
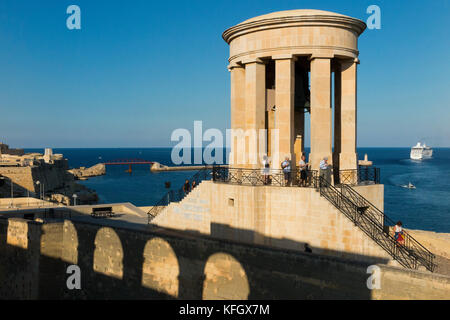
[[348, 157], [337, 117], [299, 124], [321, 132], [237, 115], [255, 107], [284, 102]]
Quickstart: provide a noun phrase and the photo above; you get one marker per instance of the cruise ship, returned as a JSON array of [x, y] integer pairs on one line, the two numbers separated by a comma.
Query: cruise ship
[[421, 151]]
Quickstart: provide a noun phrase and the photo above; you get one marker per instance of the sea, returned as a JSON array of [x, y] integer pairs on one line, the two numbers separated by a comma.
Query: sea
[[427, 207]]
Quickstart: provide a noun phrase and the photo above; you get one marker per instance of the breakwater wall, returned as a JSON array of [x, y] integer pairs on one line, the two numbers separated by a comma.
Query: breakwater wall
[[160, 167]]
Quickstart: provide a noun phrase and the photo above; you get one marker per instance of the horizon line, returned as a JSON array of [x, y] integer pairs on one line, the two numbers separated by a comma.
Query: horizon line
[[171, 147]]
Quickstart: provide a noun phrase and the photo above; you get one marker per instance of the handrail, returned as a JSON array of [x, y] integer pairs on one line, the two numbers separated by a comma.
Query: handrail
[[177, 195], [260, 177], [361, 175], [277, 177], [363, 202], [386, 218], [372, 221]]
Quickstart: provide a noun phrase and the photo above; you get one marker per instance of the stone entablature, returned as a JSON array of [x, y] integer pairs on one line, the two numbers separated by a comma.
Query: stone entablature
[[314, 33]]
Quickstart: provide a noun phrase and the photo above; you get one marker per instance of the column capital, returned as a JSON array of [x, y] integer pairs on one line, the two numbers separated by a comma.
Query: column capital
[[252, 60], [350, 61], [284, 57], [321, 56], [233, 65]]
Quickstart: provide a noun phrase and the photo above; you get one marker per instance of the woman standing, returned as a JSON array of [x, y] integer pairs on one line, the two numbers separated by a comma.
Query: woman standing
[[398, 235], [266, 169], [303, 173]]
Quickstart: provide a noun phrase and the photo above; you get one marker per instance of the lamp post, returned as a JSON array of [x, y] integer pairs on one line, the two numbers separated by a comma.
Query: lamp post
[[11, 205], [3, 178], [12, 193], [75, 199], [40, 189]]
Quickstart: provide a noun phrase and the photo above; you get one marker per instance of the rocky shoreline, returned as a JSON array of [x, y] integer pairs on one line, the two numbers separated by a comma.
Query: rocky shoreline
[[83, 173], [48, 176], [84, 194]]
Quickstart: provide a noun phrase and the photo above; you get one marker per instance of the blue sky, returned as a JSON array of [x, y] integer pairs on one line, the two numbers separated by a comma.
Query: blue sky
[[137, 70]]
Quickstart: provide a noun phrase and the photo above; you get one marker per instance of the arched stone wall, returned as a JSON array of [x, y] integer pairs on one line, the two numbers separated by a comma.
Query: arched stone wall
[[225, 278], [70, 238], [108, 253], [160, 269]]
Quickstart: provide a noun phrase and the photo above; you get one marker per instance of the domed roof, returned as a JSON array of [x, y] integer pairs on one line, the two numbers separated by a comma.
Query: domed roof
[[297, 17], [294, 13]]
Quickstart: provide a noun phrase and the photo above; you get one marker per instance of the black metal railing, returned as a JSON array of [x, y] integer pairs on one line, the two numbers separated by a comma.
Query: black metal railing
[[374, 223], [295, 178], [179, 194], [421, 253], [262, 177], [361, 176]]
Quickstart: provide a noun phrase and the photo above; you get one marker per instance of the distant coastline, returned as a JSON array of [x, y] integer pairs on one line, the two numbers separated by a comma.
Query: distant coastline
[[426, 208]]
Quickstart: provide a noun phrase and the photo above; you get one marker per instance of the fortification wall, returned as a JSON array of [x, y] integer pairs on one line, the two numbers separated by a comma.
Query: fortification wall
[[21, 176], [53, 176], [274, 216], [126, 263], [4, 149], [19, 259]]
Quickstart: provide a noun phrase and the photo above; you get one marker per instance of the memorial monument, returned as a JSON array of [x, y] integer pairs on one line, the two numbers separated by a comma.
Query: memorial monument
[[284, 64]]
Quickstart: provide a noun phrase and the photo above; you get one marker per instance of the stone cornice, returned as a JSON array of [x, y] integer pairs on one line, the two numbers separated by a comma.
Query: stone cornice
[[252, 60], [349, 23], [292, 49], [287, 56]]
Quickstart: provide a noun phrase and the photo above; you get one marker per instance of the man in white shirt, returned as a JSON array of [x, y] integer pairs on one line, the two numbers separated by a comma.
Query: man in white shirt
[[325, 170], [286, 166]]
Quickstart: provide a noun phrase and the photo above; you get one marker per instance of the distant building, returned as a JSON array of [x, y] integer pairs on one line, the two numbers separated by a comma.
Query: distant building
[[4, 149]]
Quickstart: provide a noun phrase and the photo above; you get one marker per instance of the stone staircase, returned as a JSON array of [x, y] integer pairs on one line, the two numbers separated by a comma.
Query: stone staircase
[[176, 196], [373, 222]]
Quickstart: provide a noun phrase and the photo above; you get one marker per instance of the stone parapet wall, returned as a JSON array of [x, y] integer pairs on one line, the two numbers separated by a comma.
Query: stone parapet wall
[[274, 216], [125, 263], [402, 284]]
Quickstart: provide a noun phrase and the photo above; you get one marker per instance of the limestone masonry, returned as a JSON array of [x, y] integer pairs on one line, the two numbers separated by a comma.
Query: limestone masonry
[[243, 232], [52, 172], [281, 65]]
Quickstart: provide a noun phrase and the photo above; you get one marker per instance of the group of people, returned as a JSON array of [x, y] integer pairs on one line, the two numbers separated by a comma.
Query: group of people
[[187, 186], [325, 170]]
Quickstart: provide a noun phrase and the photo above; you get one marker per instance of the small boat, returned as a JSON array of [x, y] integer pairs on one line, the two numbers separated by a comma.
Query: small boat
[[409, 186]]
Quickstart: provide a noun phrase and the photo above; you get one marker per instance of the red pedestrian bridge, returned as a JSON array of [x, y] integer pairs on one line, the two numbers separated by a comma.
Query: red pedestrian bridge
[[129, 162]]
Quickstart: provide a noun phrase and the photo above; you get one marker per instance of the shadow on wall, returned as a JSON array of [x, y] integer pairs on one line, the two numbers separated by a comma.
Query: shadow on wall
[[17, 190], [122, 263], [221, 231]]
